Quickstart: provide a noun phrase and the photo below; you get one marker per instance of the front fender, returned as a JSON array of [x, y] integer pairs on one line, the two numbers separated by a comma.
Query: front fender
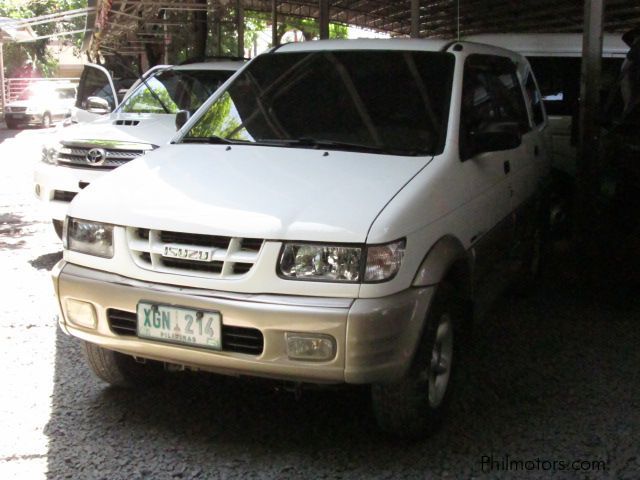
[[439, 259]]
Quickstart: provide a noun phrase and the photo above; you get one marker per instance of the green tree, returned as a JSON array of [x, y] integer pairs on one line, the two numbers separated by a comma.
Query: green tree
[[20, 58]]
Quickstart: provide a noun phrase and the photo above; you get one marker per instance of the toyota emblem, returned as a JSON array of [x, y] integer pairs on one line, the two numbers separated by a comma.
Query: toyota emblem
[[96, 156]]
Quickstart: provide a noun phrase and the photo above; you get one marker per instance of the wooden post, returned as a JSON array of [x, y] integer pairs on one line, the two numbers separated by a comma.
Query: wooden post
[[240, 27], [324, 19], [588, 148], [275, 41], [3, 99], [415, 18]]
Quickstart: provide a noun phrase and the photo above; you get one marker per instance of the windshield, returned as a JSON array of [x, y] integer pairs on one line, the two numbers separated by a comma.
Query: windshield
[[45, 92], [386, 101], [175, 90]]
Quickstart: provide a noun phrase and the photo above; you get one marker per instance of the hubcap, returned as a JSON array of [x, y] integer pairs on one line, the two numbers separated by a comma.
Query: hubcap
[[441, 358]]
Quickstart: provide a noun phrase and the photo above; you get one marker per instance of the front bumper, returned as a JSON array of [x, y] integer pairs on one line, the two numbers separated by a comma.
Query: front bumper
[[49, 179], [24, 118], [375, 338]]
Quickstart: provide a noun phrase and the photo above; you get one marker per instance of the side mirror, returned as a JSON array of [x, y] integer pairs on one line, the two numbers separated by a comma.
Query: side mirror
[[98, 105], [182, 117], [496, 137]]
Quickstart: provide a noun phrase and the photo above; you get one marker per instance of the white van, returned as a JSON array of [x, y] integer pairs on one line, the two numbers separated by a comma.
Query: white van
[[335, 213], [556, 61], [143, 121]]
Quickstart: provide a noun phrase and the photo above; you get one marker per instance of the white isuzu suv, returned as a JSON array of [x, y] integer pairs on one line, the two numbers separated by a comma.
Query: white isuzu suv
[[334, 214], [143, 121]]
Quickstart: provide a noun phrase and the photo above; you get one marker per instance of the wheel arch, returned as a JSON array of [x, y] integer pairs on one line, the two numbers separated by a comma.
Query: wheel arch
[[446, 259]]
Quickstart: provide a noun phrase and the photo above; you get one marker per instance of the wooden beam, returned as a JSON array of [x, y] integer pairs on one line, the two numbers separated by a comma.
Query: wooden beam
[[2, 94], [240, 26], [415, 18], [587, 159], [324, 19]]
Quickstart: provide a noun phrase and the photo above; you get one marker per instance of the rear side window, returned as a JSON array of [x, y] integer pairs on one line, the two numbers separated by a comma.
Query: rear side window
[[535, 99], [491, 95]]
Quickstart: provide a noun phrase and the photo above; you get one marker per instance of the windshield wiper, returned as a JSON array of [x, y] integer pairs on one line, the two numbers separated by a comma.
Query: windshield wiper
[[211, 139], [143, 79], [340, 145]]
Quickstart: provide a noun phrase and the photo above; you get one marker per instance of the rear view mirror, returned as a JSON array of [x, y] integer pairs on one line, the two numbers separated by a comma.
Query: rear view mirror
[[182, 117], [98, 105]]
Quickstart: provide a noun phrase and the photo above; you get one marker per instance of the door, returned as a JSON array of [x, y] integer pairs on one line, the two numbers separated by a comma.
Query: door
[[95, 81], [488, 106]]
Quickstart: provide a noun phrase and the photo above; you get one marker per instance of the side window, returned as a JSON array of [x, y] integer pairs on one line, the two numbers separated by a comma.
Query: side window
[[491, 99], [535, 99]]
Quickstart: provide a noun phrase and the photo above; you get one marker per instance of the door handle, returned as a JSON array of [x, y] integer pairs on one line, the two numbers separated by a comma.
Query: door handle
[[507, 167]]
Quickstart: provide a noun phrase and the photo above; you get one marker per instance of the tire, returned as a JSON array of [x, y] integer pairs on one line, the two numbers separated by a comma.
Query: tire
[[57, 226], [46, 120], [121, 370], [415, 406]]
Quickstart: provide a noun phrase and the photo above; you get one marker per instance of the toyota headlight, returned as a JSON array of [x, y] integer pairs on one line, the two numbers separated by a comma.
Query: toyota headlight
[[92, 238], [340, 263]]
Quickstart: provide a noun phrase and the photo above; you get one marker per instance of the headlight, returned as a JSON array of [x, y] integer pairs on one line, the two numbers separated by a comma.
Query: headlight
[[92, 238], [50, 153], [302, 261], [337, 263]]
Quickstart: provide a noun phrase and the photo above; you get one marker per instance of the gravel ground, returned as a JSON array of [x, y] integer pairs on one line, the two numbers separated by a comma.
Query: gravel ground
[[554, 377]]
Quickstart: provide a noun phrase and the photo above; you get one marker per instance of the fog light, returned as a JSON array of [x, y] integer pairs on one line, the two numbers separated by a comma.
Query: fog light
[[82, 314], [318, 348]]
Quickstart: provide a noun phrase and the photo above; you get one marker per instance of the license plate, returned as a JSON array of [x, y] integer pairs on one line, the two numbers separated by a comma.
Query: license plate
[[18, 115], [186, 326]]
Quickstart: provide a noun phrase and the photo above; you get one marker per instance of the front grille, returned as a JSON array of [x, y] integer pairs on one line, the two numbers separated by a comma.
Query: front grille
[[208, 256], [16, 109], [62, 196], [76, 155], [234, 339], [195, 239], [121, 322]]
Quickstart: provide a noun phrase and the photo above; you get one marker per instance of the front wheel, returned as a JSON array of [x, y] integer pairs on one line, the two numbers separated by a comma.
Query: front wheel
[[119, 369], [415, 405]]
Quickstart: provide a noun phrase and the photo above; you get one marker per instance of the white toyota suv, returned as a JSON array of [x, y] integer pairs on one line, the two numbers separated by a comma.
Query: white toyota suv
[[144, 121], [334, 214]]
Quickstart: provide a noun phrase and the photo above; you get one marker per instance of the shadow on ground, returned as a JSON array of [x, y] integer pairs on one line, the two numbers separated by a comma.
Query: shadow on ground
[[46, 261], [13, 230]]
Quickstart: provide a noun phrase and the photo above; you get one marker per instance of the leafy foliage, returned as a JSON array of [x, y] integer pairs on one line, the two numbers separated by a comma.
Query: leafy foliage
[[33, 58]]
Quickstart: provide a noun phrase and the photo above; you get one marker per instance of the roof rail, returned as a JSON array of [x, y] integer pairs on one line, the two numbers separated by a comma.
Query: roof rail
[[208, 58]]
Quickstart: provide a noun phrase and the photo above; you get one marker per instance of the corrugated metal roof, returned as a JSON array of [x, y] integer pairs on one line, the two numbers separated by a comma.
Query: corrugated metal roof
[[126, 25]]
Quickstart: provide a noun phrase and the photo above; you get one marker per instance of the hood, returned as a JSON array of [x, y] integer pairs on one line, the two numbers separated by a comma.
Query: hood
[[250, 191], [155, 129]]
